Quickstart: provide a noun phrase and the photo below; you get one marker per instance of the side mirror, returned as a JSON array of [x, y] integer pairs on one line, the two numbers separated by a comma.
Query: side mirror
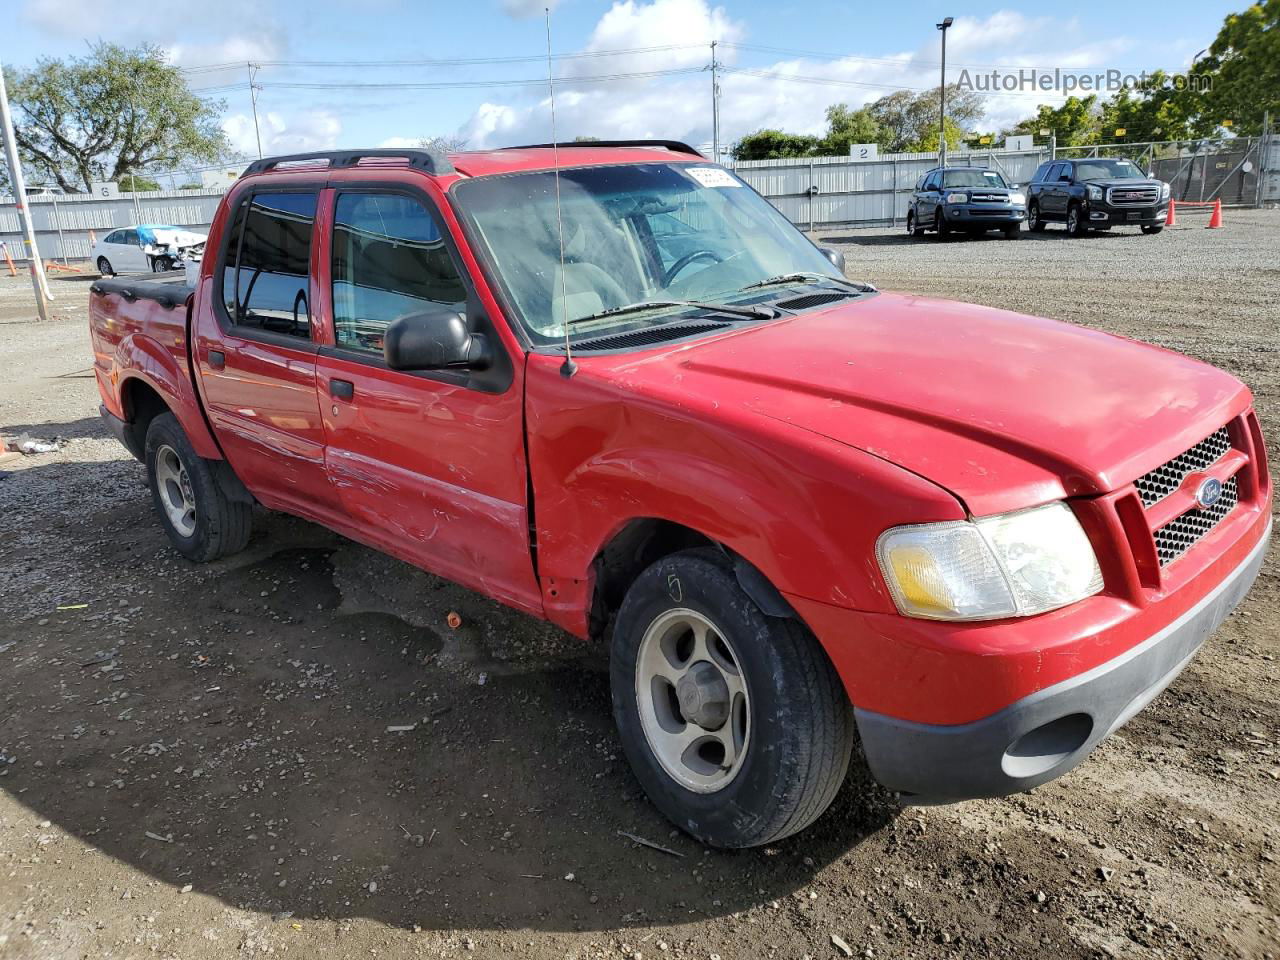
[[1014, 186], [438, 340], [835, 256]]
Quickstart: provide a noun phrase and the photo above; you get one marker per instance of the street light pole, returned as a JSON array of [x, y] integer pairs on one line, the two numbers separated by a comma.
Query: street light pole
[[715, 105], [20, 198], [253, 99], [942, 95]]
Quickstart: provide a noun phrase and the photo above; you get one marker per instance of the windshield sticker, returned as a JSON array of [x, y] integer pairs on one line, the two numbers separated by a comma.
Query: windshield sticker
[[712, 177]]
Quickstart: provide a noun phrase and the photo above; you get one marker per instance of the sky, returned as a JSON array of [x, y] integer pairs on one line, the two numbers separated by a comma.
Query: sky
[[784, 63]]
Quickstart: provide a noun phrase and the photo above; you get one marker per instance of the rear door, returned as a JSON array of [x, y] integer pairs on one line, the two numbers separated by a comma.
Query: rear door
[[126, 253], [1057, 190], [429, 465], [256, 354]]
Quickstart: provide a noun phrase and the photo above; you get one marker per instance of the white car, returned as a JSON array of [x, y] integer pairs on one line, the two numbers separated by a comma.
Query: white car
[[146, 248]]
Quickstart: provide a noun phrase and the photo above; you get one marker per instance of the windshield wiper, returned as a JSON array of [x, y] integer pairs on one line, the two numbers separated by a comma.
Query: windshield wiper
[[803, 277], [754, 313]]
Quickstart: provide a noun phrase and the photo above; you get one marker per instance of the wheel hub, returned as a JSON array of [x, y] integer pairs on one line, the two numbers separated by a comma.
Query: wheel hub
[[704, 696]]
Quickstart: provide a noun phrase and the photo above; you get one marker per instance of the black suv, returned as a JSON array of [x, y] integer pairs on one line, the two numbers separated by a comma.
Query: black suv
[[970, 199], [1096, 193]]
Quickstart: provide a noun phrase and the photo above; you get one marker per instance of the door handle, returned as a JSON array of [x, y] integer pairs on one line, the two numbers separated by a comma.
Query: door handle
[[342, 389], [217, 359]]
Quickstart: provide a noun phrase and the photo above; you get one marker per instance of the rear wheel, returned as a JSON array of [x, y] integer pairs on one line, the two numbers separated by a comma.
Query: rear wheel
[[104, 267], [913, 228], [1076, 224], [734, 722], [202, 522], [1034, 223]]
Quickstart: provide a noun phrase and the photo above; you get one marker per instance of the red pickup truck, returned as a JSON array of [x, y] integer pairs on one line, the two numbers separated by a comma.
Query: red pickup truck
[[611, 386]]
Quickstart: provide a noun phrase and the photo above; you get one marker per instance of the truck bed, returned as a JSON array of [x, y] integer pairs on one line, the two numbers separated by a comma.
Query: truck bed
[[167, 289]]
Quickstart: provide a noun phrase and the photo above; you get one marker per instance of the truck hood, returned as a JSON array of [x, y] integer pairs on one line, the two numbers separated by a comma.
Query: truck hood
[[1003, 410]]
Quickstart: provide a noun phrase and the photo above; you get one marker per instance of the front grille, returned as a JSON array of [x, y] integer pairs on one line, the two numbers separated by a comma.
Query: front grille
[[812, 300], [1133, 196], [989, 197], [1178, 536], [1165, 479]]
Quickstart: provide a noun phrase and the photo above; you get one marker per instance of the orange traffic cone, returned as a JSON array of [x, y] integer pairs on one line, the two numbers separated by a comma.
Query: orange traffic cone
[[1173, 216], [93, 241], [8, 259], [1215, 221]]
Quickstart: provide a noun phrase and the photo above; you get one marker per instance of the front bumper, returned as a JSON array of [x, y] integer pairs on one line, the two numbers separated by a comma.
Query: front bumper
[[1042, 736], [1103, 213], [961, 214]]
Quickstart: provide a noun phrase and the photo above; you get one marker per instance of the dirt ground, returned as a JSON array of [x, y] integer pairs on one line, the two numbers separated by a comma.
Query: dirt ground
[[195, 762]]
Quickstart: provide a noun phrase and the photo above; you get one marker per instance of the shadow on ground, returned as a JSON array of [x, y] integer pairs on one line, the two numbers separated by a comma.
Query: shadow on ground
[[227, 727]]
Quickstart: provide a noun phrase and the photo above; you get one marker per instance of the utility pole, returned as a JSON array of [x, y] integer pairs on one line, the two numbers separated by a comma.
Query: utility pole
[[942, 95], [715, 104], [253, 99], [38, 280]]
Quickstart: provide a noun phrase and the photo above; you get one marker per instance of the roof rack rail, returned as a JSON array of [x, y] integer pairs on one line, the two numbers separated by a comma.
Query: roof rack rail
[[674, 146], [425, 160]]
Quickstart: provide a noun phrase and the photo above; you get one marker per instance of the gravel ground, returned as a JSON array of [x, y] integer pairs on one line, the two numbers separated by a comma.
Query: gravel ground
[[195, 760]]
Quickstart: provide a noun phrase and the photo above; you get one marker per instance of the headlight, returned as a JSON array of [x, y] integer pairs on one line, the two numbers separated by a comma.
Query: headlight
[[1164, 191], [1018, 198], [957, 198], [1095, 193], [1010, 565]]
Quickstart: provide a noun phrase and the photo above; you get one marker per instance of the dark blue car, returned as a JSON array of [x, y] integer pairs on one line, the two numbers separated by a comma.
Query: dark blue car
[[969, 199]]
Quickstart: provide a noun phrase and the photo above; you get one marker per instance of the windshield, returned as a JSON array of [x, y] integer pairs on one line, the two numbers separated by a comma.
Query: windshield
[[1108, 170], [633, 233], [973, 178]]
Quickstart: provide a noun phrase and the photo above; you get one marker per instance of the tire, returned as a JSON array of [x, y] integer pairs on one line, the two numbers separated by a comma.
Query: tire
[[161, 265], [1012, 233], [1152, 229], [1077, 225], [1034, 223], [104, 267], [787, 715], [912, 229], [203, 524], [940, 225]]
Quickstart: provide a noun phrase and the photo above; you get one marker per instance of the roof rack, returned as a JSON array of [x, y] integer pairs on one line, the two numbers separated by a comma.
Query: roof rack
[[674, 146], [424, 160]]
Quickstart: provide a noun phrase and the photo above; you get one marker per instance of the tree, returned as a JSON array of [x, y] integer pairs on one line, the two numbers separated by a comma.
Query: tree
[[775, 145], [1243, 67], [131, 182], [443, 144], [908, 120], [115, 112], [1075, 122], [586, 139], [1158, 111], [846, 127]]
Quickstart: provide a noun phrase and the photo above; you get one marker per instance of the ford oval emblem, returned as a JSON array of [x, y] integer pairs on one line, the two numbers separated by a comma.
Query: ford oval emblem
[[1209, 492]]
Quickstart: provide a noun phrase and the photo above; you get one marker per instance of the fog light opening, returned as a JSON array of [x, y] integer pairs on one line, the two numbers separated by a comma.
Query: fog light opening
[[1040, 750]]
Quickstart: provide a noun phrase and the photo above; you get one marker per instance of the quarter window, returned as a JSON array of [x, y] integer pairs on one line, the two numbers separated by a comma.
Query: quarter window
[[389, 261], [266, 276]]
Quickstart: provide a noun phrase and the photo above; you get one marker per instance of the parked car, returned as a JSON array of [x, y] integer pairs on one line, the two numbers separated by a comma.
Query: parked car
[[1096, 193], [968, 199], [800, 513], [149, 248]]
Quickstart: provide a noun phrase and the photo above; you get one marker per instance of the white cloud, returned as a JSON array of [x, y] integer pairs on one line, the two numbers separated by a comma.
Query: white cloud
[[679, 107], [297, 133]]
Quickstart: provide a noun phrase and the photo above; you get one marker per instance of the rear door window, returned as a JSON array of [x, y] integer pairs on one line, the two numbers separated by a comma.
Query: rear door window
[[389, 261], [266, 276]]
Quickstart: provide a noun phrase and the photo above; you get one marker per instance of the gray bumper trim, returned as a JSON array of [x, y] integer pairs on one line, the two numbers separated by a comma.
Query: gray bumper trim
[[1044, 735]]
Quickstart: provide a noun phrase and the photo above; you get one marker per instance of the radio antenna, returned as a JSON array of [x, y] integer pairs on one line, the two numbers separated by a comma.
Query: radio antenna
[[568, 368]]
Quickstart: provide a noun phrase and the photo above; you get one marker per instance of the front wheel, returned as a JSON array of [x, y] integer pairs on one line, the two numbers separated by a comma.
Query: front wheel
[[1013, 232], [1034, 223], [1076, 224], [202, 522], [940, 225], [734, 722], [1153, 228]]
